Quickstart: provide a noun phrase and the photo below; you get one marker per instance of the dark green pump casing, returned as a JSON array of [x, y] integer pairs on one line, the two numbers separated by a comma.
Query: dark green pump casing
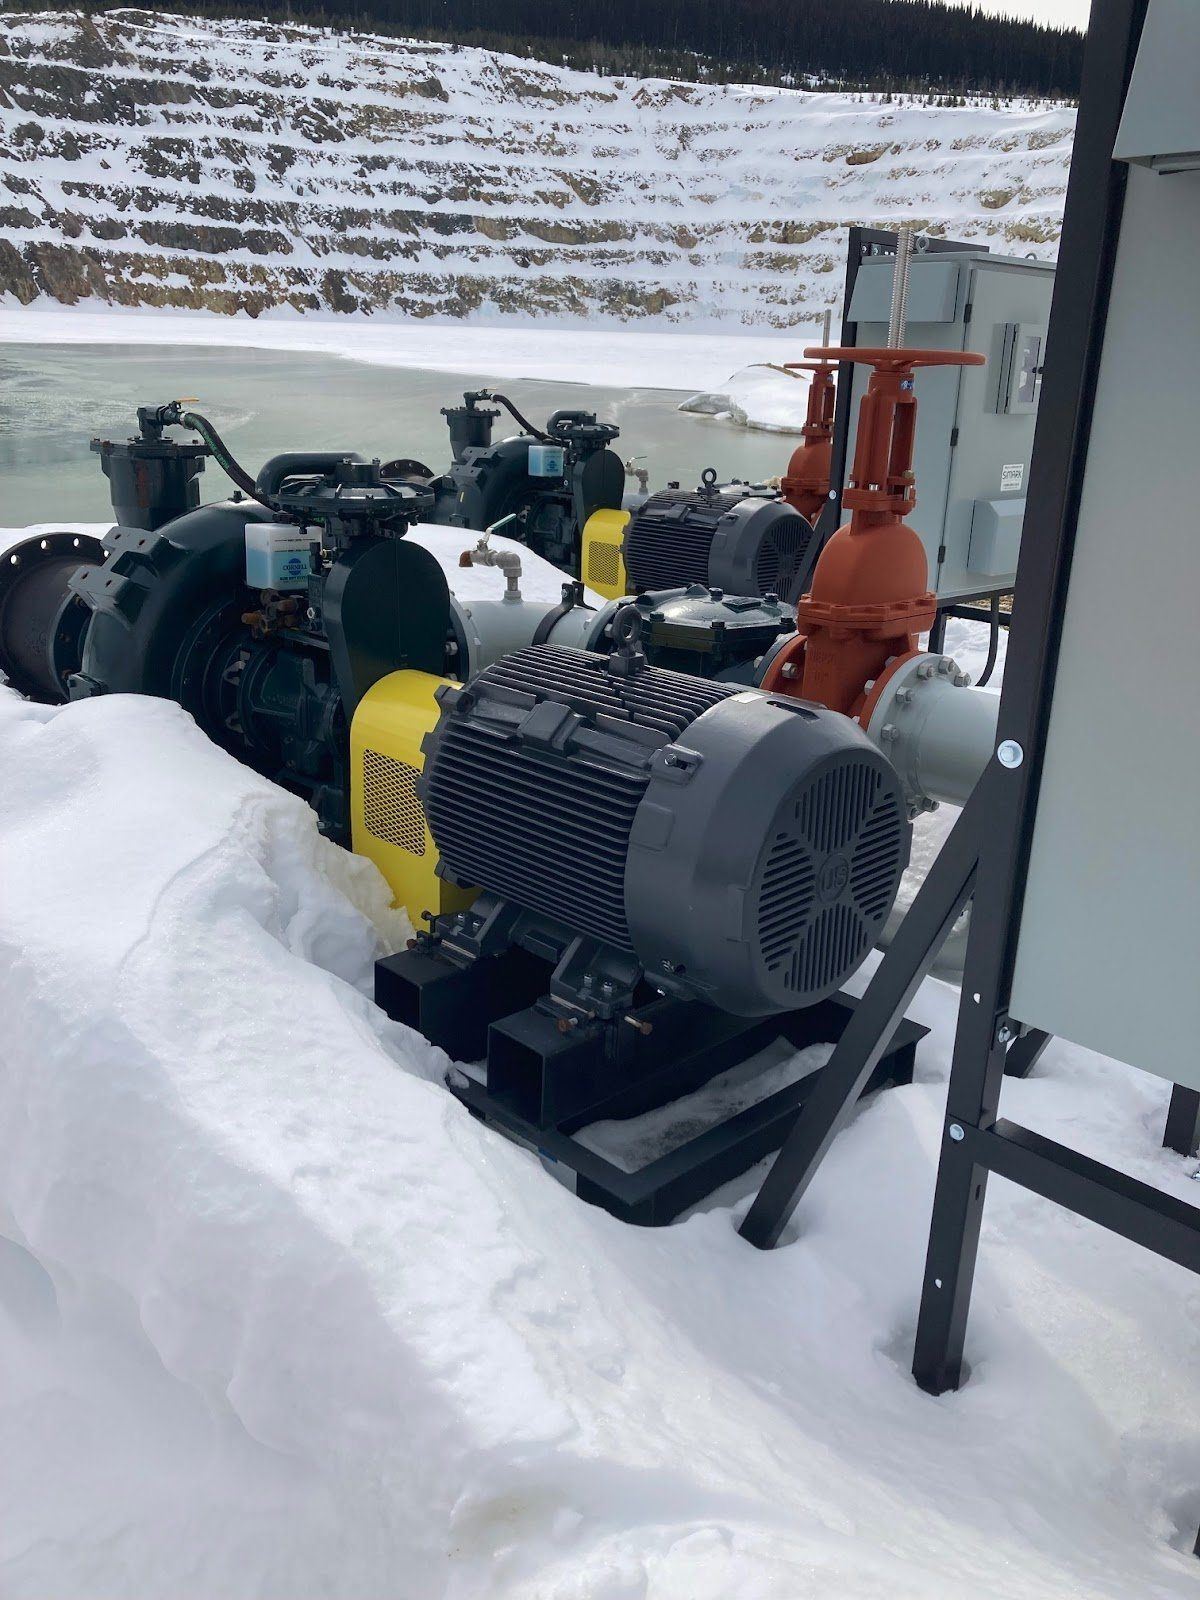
[[170, 615]]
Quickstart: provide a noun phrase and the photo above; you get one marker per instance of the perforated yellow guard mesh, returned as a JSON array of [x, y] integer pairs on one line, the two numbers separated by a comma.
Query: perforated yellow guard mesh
[[603, 544], [603, 565], [387, 819], [391, 809]]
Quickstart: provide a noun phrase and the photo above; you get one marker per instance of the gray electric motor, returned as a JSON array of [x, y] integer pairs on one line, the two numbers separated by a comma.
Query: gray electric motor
[[746, 849], [739, 541]]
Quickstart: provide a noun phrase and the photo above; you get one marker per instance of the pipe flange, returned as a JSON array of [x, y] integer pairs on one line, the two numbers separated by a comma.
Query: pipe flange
[[782, 669], [899, 704], [41, 623], [766, 661]]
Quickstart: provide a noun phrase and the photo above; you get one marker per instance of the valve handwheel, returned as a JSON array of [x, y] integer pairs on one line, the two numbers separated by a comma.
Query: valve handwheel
[[883, 356]]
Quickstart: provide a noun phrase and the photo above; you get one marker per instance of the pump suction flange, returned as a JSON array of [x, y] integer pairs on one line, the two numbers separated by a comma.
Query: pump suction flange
[[41, 621]]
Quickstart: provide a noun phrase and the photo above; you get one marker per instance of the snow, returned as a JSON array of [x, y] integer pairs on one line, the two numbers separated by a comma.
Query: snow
[[760, 396], [279, 1319], [540, 582], [625, 357]]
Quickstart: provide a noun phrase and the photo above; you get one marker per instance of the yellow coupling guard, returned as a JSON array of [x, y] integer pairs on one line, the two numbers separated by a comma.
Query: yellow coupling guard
[[602, 564], [387, 819]]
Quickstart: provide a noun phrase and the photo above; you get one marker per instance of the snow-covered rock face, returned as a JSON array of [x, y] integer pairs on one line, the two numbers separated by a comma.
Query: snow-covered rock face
[[240, 166]]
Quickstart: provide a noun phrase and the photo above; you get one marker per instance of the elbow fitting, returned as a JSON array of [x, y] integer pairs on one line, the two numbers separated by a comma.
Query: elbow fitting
[[508, 561], [298, 463]]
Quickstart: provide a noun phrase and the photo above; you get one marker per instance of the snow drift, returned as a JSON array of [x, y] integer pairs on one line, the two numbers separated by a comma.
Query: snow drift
[[278, 1319]]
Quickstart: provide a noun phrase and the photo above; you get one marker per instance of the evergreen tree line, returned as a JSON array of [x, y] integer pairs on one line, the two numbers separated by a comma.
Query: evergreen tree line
[[879, 45], [868, 42]]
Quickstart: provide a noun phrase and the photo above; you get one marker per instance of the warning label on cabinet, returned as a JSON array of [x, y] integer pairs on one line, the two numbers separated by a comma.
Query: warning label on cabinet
[[1012, 476]]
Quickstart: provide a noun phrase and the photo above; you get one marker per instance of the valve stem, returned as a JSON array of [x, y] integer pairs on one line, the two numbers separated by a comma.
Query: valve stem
[[898, 319]]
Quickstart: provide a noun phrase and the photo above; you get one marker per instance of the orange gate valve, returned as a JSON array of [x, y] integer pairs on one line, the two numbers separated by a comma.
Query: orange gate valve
[[870, 595], [805, 484]]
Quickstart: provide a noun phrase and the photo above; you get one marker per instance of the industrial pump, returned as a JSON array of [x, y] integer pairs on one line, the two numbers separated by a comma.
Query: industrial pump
[[560, 485], [627, 878], [661, 876], [269, 616], [563, 488], [738, 538], [673, 871], [717, 844]]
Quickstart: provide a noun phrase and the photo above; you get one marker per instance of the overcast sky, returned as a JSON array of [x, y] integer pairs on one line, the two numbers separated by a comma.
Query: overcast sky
[[1065, 13]]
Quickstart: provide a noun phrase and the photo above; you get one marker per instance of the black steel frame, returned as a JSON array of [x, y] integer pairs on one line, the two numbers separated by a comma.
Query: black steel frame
[[986, 857], [659, 1191], [1183, 1122], [542, 1084], [975, 1141]]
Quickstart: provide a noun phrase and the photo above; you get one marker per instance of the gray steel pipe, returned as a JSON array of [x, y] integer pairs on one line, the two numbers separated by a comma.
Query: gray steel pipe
[[938, 733]]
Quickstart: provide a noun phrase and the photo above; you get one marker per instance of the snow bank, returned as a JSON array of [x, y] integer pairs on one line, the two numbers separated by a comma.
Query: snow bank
[[623, 357], [279, 1319]]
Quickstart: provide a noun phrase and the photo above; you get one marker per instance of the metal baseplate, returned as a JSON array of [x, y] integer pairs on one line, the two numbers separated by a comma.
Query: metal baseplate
[[542, 1082]]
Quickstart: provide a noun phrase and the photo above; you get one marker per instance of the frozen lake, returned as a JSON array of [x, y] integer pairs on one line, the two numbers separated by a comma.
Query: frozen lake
[[54, 398]]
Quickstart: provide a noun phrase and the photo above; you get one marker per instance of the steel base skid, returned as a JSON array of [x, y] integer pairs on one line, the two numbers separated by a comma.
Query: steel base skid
[[542, 1084]]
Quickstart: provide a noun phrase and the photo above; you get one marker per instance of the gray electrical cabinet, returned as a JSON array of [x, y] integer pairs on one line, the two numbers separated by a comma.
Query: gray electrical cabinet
[[1109, 948], [974, 424]]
